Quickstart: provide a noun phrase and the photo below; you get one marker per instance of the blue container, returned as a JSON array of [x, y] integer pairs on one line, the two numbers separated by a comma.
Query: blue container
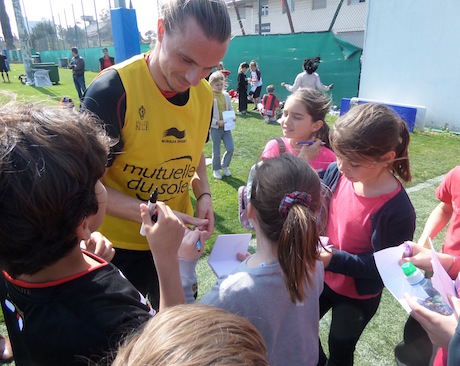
[[406, 113]]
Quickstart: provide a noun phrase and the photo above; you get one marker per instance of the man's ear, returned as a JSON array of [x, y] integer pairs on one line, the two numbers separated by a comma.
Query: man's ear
[[83, 232], [160, 29]]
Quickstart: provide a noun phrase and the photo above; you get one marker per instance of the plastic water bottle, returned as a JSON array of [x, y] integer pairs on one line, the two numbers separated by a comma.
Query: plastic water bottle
[[422, 289]]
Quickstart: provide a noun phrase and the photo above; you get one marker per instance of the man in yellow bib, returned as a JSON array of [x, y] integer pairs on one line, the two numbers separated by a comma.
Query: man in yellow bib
[[158, 106]]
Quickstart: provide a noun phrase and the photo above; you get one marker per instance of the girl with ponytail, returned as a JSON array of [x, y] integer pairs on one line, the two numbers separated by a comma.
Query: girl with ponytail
[[278, 287]]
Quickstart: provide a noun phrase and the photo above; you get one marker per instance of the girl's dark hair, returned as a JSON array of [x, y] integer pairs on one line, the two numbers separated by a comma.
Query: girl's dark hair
[[369, 131], [243, 65], [296, 235], [317, 106], [311, 64], [50, 161]]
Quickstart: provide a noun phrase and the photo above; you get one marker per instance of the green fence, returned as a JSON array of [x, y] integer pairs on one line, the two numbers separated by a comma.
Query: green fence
[[280, 58]]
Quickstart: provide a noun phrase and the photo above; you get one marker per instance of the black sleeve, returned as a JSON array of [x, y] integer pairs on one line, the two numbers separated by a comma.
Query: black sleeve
[[106, 98]]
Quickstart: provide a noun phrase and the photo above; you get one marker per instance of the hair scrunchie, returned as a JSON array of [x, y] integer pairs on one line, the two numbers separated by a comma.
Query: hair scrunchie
[[296, 197]]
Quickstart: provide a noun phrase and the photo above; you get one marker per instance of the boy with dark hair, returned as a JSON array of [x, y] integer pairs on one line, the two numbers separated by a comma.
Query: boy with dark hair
[[52, 160], [269, 105]]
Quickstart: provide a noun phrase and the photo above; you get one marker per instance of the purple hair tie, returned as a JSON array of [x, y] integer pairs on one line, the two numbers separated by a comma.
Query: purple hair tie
[[296, 197]]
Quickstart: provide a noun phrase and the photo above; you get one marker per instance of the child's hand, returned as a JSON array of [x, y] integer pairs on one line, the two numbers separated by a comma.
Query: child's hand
[[283, 83], [325, 256], [99, 245], [164, 236], [309, 153], [242, 256], [220, 123], [189, 248], [419, 256], [440, 328]]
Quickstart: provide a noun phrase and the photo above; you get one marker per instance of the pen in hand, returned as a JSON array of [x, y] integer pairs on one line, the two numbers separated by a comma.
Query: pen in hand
[[198, 243], [151, 205], [308, 143]]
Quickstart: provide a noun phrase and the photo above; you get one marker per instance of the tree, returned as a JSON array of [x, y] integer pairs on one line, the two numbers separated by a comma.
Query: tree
[[105, 27], [6, 27], [43, 37]]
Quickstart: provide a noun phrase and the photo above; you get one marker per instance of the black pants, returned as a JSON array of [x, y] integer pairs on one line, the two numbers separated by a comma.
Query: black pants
[[242, 100], [349, 318], [139, 268]]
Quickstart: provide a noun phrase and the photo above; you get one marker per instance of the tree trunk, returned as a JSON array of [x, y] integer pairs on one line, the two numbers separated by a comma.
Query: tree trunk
[[6, 27]]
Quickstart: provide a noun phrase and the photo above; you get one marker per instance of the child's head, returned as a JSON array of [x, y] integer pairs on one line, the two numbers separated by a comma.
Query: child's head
[[194, 335], [270, 89], [286, 196], [51, 162], [66, 102], [311, 64], [253, 65], [220, 66], [244, 66], [372, 133], [217, 81], [304, 115]]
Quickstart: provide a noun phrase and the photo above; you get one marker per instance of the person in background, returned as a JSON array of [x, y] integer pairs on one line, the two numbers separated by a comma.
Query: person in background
[[220, 67], [194, 335], [308, 78], [269, 105], [416, 346], [256, 83], [106, 61], [304, 120], [369, 210], [222, 102], [77, 64], [159, 108], [242, 88], [3, 66]]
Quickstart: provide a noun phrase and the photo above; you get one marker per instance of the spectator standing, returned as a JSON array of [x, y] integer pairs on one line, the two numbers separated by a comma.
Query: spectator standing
[[256, 83], [3, 66], [242, 88], [106, 61], [77, 64]]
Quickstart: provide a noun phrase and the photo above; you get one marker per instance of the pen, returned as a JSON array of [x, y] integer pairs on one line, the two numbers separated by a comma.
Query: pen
[[308, 143], [151, 205], [198, 243]]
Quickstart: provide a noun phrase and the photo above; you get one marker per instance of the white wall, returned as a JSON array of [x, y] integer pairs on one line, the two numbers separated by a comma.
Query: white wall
[[411, 56]]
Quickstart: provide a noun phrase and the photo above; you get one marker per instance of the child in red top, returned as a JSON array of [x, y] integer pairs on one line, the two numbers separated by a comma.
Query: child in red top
[[269, 105]]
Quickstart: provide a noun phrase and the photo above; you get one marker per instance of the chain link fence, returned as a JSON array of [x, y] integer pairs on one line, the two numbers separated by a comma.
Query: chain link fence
[[345, 18]]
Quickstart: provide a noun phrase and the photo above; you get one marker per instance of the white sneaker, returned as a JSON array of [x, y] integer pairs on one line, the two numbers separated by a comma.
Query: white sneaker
[[216, 174], [226, 171]]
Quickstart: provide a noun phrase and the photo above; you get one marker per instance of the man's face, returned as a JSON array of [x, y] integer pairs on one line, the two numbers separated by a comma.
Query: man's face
[[185, 56]]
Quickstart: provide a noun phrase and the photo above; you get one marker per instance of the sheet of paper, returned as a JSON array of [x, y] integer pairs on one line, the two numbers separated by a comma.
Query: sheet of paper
[[441, 280], [387, 261], [223, 259], [229, 119]]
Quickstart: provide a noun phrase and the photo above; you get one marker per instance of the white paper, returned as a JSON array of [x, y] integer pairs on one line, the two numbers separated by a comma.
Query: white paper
[[229, 120], [441, 280], [387, 261], [223, 259]]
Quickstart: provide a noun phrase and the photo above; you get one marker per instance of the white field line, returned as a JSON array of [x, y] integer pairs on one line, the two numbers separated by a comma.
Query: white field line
[[427, 184]]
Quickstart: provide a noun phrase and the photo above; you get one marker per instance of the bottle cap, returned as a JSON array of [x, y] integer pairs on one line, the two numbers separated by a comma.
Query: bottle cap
[[413, 274], [408, 268]]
